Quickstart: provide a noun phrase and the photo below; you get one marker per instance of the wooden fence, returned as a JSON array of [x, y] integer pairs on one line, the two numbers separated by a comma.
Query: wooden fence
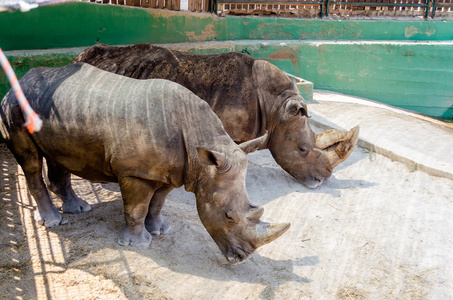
[[305, 8], [193, 5]]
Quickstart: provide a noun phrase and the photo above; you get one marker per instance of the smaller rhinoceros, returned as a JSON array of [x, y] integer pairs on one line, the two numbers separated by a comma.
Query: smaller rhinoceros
[[106, 127]]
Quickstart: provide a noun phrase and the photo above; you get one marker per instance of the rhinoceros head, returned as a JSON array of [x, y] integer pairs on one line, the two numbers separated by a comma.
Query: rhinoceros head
[[308, 157], [224, 206], [293, 143]]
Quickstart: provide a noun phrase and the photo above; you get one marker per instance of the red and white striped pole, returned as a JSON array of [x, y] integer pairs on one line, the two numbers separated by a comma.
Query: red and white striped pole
[[32, 121]]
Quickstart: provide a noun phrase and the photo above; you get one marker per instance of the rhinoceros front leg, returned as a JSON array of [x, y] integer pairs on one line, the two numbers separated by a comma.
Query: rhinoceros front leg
[[155, 223], [136, 195], [30, 160], [60, 184]]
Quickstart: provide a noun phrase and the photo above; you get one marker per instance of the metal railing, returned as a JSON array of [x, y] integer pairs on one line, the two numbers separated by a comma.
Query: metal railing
[[425, 8], [441, 5], [421, 6], [269, 2]]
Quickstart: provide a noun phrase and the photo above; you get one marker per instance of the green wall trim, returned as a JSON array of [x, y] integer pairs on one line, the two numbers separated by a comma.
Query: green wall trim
[[83, 24]]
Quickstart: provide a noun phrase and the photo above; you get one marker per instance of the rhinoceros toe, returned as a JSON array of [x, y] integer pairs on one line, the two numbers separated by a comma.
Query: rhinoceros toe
[[140, 240], [75, 206], [158, 225], [50, 219]]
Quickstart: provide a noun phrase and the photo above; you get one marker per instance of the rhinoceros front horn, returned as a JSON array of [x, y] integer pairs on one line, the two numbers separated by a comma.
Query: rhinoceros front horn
[[266, 232], [337, 144]]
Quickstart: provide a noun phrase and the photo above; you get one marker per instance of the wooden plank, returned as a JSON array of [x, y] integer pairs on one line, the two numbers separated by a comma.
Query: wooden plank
[[146, 3], [129, 2], [192, 5], [198, 5], [137, 3], [206, 5], [161, 3], [168, 4], [176, 5]]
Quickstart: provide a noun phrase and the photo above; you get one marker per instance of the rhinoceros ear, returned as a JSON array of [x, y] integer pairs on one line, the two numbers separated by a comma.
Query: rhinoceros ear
[[255, 144], [296, 107], [212, 158]]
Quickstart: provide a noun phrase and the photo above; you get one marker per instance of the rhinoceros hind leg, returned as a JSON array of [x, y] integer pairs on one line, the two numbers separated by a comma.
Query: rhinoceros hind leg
[[60, 184], [136, 195], [155, 222], [29, 158]]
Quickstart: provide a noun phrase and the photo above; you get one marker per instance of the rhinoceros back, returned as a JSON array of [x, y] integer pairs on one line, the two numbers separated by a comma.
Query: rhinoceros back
[[99, 123]]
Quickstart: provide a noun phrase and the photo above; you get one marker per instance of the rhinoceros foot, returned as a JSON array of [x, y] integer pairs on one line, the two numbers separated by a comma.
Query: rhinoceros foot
[[158, 225], [135, 237], [48, 219], [75, 205]]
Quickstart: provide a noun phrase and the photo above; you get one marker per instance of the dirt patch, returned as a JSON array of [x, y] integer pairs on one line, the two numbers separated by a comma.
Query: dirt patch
[[374, 230]]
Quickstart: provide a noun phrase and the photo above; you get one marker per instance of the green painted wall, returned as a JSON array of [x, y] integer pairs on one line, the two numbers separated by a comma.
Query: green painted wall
[[411, 75], [404, 63], [84, 24]]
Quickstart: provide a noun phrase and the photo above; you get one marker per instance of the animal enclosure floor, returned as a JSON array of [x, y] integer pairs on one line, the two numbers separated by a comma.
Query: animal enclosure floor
[[376, 229]]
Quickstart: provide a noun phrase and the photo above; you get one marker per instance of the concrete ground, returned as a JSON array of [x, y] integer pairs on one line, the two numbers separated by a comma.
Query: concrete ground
[[376, 229], [420, 142]]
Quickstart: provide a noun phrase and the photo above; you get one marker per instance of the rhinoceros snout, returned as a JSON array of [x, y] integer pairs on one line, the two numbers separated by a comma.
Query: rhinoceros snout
[[314, 182], [236, 256]]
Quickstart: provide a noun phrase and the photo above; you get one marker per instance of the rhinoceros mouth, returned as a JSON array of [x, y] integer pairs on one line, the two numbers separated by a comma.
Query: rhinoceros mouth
[[314, 182], [236, 255]]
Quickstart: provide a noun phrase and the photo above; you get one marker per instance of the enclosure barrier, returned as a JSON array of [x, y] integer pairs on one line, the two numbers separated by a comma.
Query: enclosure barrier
[[308, 8], [385, 7], [443, 8], [397, 8], [312, 8]]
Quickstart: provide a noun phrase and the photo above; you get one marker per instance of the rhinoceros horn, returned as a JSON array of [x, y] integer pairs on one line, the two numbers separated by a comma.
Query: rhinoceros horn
[[266, 233], [255, 213], [338, 144], [254, 144]]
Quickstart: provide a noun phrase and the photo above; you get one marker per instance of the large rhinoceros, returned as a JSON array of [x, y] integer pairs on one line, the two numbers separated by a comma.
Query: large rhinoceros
[[149, 136], [249, 95]]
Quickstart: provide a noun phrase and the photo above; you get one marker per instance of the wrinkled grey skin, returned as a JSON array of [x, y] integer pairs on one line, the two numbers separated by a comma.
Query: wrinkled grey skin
[[149, 136], [250, 96]]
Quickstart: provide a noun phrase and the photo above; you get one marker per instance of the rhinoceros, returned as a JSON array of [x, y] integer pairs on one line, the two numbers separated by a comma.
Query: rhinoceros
[[249, 95], [150, 136]]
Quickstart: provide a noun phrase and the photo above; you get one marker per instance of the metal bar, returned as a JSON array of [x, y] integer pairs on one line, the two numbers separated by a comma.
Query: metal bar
[[427, 10], [327, 8]]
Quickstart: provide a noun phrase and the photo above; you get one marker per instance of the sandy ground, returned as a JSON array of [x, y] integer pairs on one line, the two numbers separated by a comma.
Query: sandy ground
[[374, 230]]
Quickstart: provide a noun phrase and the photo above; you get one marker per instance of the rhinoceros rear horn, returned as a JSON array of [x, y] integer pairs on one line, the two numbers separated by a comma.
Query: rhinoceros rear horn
[[255, 213], [254, 144], [266, 232], [337, 144]]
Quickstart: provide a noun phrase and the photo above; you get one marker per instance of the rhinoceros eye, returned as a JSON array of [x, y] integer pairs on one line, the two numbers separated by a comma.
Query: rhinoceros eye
[[229, 216], [303, 151]]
